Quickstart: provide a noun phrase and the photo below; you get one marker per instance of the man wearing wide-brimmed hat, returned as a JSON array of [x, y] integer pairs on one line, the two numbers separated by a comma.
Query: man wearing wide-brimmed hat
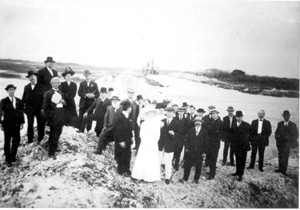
[[97, 110], [88, 93], [69, 90], [166, 143], [47, 73], [286, 136], [33, 101], [195, 148], [11, 122], [106, 134], [228, 121], [240, 143], [214, 129]]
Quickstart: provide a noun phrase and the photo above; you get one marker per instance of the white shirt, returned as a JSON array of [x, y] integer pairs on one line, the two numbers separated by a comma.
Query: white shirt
[[88, 83], [13, 100], [126, 114], [286, 123], [32, 86], [50, 70], [68, 83], [169, 120], [238, 123], [230, 120], [260, 122], [197, 128]]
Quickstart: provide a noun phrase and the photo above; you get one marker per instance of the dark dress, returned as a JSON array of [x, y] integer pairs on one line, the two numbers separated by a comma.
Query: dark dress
[[70, 113]]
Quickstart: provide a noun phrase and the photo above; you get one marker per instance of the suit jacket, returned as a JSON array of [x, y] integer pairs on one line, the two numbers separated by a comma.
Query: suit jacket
[[215, 131], [134, 113], [184, 126], [196, 144], [69, 94], [99, 109], [44, 77], [286, 134], [166, 140], [49, 108], [240, 136], [263, 139], [109, 117], [84, 89], [10, 115], [226, 127], [122, 129], [33, 99]]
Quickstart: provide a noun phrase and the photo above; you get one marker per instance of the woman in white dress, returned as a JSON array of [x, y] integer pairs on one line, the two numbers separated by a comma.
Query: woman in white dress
[[147, 164]]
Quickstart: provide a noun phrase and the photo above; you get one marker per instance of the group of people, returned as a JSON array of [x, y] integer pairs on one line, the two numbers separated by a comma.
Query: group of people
[[162, 132]]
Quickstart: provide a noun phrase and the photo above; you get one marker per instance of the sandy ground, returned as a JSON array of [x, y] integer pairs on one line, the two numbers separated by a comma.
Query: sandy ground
[[79, 179]]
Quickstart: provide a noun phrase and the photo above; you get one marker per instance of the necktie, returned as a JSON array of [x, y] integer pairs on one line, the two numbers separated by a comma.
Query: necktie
[[230, 122], [12, 101], [168, 122]]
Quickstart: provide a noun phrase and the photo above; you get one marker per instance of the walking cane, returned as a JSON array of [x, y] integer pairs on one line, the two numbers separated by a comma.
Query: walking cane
[[175, 170]]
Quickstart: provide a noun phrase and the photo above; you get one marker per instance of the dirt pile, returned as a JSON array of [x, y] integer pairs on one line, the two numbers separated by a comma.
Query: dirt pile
[[78, 178]]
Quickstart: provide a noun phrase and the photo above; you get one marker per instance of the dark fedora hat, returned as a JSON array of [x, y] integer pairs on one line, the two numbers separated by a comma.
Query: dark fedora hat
[[201, 110], [86, 72], [103, 90], [198, 119], [184, 104], [181, 109], [230, 108], [30, 73], [110, 89], [139, 97], [286, 112], [211, 107], [239, 114], [49, 59], [214, 111], [115, 98], [10, 86], [68, 70], [169, 109]]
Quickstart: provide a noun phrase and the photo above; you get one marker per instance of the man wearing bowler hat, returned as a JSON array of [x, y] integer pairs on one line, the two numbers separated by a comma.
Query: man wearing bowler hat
[[240, 143], [286, 136], [214, 130], [200, 112], [195, 148], [166, 143], [207, 117], [11, 122], [228, 121], [97, 110], [33, 102], [106, 134], [47, 73], [88, 93]]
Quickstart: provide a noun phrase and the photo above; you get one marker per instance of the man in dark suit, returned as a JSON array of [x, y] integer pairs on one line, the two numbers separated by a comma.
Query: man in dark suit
[[53, 110], [192, 114], [214, 130], [166, 143], [123, 139], [286, 136], [260, 131], [69, 89], [97, 110], [200, 113], [33, 101], [228, 121], [207, 117], [184, 126], [88, 92], [47, 73], [240, 143], [195, 148], [11, 122], [106, 134]]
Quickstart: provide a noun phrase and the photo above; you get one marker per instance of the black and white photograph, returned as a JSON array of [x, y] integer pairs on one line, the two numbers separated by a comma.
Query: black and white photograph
[[149, 104]]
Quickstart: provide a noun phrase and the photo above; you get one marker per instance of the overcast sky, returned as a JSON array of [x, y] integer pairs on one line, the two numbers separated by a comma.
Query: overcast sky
[[260, 38]]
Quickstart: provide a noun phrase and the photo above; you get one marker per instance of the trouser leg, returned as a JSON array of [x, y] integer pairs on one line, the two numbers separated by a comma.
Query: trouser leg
[[7, 139], [189, 162], [231, 154], [261, 153], [280, 149], [177, 153], [30, 121], [286, 154], [225, 151], [253, 155], [40, 126], [198, 167], [168, 164], [213, 161], [241, 162], [15, 142]]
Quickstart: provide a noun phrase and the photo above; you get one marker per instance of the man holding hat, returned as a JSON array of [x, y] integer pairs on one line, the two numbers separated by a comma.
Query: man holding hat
[[214, 129], [47, 73], [97, 110], [11, 122], [106, 134], [228, 121], [166, 143], [184, 126], [195, 148], [69, 90], [286, 136], [33, 101], [240, 143], [88, 92]]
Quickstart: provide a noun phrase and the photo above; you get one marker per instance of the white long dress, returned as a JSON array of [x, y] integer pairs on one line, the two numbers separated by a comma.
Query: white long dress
[[147, 164]]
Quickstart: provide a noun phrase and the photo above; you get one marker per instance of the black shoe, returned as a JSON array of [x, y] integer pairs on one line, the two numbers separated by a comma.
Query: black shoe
[[8, 163], [167, 181], [223, 163], [240, 178], [52, 156], [235, 174], [210, 178], [284, 173], [250, 167], [232, 164], [129, 173], [176, 168], [261, 169], [97, 153], [196, 181], [206, 165], [182, 181], [278, 171]]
